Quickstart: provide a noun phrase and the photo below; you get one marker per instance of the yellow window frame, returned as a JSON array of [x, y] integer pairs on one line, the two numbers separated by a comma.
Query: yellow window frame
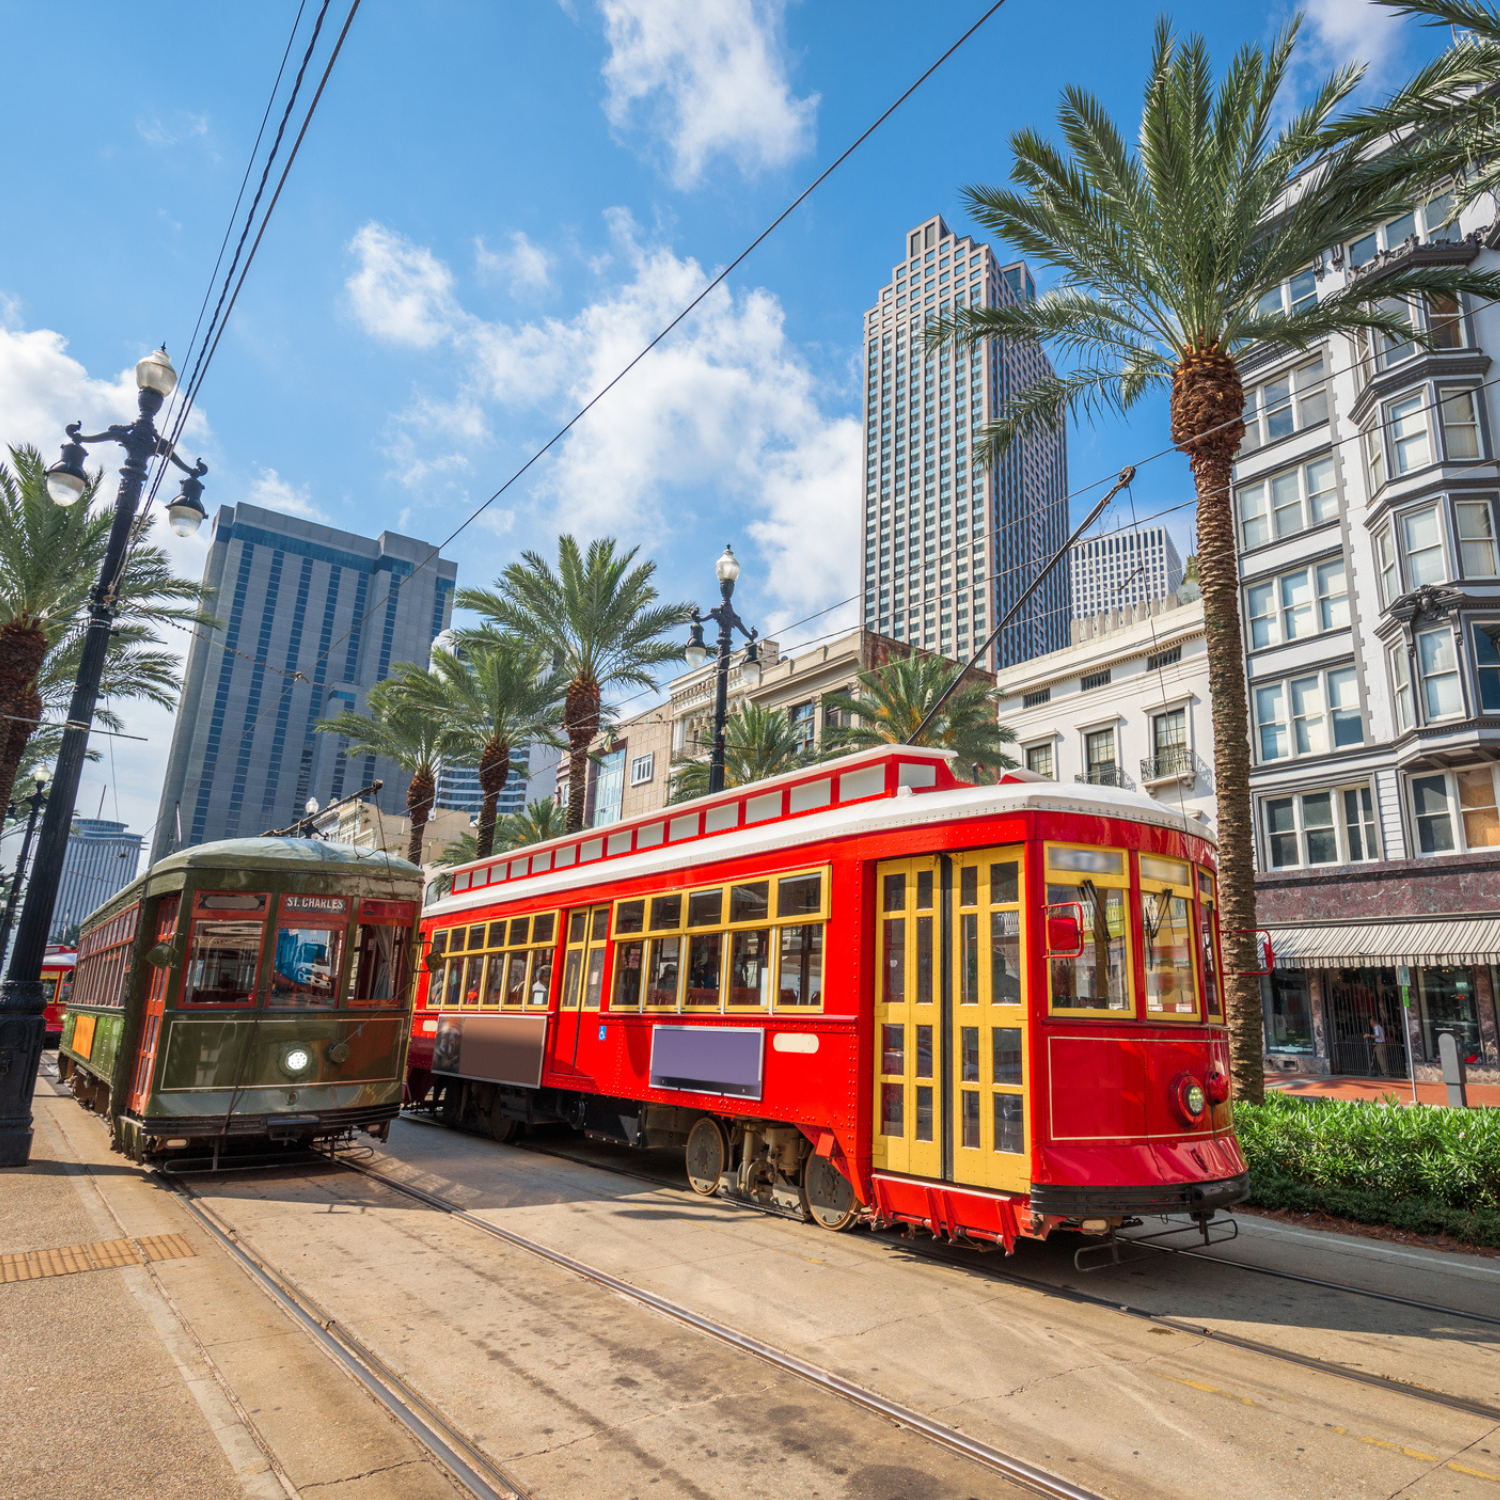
[[1102, 880], [1208, 902], [1156, 885]]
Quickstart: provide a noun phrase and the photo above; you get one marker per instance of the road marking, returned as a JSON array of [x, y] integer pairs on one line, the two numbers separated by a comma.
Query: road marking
[[1359, 1437], [102, 1255]]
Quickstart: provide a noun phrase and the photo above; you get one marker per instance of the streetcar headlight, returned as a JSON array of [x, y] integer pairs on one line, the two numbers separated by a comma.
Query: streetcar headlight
[[1193, 1098], [1188, 1098], [295, 1061]]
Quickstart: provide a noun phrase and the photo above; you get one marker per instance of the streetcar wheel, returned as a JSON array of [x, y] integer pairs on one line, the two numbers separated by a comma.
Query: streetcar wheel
[[707, 1152], [827, 1195]]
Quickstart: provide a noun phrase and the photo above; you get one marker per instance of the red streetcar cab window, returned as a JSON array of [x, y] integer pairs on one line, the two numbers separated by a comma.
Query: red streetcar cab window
[[224, 957], [1208, 939], [1093, 884], [1167, 938], [309, 953], [378, 974]]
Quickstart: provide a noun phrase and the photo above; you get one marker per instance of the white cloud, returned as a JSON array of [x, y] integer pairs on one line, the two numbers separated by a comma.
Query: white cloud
[[710, 77], [1339, 32], [273, 492], [183, 126], [400, 292], [527, 267], [725, 410]]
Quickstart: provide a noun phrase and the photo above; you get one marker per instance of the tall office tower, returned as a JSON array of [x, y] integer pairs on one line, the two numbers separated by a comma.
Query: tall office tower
[[949, 546], [100, 859], [310, 619], [533, 768], [1123, 567]]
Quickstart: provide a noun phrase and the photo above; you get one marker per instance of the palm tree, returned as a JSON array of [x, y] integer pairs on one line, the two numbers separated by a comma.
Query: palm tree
[[401, 727], [893, 699], [50, 557], [597, 620], [542, 820], [758, 742], [1171, 256], [493, 697]]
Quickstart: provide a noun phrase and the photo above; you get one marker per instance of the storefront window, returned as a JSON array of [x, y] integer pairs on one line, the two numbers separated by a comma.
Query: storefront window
[[1287, 1011], [1448, 1004]]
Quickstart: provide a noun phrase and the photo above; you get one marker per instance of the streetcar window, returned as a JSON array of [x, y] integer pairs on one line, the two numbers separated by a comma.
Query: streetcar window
[[473, 978], [520, 929], [969, 1053], [924, 958], [496, 937], [600, 925], [971, 1120], [476, 937], [1208, 945], [542, 928], [305, 971], [894, 978], [968, 951], [453, 991], [801, 965], [968, 886], [799, 896], [224, 959], [628, 957], [750, 968], [895, 892], [577, 926], [924, 1052], [1088, 861], [1010, 1127], [440, 941], [1096, 978], [705, 908], [1170, 871], [705, 954], [892, 1112], [924, 890], [924, 1113], [572, 974], [630, 916], [1005, 882], [750, 903], [494, 980], [661, 971], [1167, 936], [541, 974], [666, 912], [893, 1049], [1005, 957], [1005, 1050]]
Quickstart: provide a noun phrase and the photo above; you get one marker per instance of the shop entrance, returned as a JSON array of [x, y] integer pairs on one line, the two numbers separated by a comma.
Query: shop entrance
[[1364, 1013]]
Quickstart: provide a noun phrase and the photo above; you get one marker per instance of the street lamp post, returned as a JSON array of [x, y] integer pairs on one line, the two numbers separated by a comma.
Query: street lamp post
[[34, 802], [728, 569], [21, 995]]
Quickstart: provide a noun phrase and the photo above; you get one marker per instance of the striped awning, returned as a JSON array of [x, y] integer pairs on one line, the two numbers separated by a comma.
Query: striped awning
[[1358, 945]]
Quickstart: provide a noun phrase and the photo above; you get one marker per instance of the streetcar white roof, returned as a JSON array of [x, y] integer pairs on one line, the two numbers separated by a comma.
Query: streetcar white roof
[[908, 807]]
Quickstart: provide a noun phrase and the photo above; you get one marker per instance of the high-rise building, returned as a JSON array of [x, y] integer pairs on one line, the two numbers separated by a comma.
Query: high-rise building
[[100, 859], [950, 545], [310, 619], [1123, 567], [533, 771]]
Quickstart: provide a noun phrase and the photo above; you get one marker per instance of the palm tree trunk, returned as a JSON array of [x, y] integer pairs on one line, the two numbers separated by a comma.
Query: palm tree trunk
[[494, 772], [1207, 399], [419, 797], [22, 652], [581, 724]]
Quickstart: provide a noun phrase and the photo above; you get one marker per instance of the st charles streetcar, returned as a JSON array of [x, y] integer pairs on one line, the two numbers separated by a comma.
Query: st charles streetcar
[[861, 991], [244, 994]]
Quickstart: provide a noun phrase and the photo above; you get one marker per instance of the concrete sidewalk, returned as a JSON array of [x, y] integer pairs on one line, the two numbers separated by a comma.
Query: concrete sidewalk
[[1481, 1095]]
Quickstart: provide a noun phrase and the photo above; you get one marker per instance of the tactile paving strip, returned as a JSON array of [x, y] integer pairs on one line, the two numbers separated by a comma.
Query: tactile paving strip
[[100, 1256]]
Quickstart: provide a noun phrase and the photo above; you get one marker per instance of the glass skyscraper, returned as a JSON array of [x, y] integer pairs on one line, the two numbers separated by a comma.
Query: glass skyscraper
[[950, 544]]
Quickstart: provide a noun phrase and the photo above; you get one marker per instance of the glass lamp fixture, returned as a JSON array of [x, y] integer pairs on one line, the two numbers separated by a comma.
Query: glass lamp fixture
[[186, 513], [42, 775], [696, 652], [155, 373], [750, 668], [728, 566], [66, 480]]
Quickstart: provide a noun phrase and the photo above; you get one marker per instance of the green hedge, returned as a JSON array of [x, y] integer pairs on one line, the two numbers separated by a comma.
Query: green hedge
[[1445, 1159], [1419, 1216]]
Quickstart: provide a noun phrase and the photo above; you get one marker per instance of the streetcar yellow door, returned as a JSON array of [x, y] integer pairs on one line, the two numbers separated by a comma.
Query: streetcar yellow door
[[950, 1019]]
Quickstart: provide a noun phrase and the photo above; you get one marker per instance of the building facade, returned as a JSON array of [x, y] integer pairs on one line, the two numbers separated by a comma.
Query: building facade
[[1125, 705], [310, 619], [949, 544], [1366, 497], [533, 768], [101, 858], [1122, 568]]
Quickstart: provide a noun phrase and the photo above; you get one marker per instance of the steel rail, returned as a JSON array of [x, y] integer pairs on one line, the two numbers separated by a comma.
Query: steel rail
[[466, 1464], [941, 1255], [955, 1441]]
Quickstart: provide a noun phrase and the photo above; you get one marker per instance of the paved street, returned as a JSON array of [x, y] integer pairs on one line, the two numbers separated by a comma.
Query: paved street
[[209, 1390]]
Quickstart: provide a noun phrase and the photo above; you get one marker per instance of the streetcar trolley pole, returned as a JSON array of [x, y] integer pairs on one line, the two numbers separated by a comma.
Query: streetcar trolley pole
[[22, 998]]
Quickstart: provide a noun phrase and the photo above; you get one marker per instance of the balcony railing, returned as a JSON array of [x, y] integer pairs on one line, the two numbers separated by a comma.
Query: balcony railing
[[1173, 764], [1108, 774]]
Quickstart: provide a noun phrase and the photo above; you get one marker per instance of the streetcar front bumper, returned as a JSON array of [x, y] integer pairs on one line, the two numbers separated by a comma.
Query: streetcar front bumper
[[1071, 1201]]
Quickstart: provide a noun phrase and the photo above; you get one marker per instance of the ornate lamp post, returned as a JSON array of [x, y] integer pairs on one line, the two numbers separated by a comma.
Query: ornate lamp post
[[34, 802], [21, 997], [728, 569]]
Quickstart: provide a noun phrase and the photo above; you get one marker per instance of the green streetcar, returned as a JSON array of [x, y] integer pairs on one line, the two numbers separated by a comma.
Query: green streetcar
[[246, 993]]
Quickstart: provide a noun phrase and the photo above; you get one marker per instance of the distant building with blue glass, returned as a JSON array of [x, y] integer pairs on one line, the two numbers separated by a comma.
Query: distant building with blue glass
[[101, 858], [310, 618]]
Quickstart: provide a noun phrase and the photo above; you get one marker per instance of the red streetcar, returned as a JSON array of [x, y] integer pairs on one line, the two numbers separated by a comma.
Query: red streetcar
[[861, 991], [57, 982]]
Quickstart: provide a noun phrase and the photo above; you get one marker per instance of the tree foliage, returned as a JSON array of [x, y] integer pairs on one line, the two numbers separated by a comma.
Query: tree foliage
[[758, 742]]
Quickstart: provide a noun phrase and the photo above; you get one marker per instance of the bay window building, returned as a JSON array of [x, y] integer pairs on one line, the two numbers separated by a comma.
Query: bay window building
[[1366, 495]]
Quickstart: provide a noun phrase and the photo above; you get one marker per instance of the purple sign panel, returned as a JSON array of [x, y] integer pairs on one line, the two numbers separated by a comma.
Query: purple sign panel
[[708, 1059]]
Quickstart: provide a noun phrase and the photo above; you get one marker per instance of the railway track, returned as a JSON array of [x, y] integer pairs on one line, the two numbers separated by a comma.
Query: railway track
[[970, 1261]]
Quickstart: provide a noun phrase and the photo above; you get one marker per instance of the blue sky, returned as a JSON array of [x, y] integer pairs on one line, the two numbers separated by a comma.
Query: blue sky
[[495, 205]]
